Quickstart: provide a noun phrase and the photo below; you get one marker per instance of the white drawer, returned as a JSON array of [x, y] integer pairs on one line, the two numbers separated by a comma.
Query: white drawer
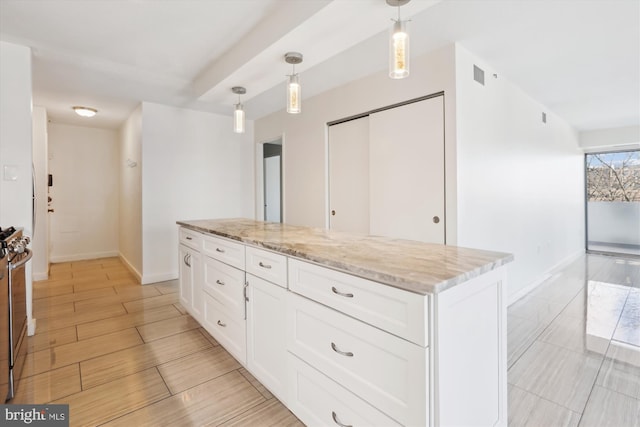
[[382, 369], [267, 265], [402, 313], [224, 250], [226, 284], [227, 329], [319, 401], [191, 238]]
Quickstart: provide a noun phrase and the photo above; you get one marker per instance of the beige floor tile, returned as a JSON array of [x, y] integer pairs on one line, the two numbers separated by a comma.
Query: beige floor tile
[[60, 266], [43, 311], [48, 386], [271, 413], [152, 302], [63, 321], [52, 291], [208, 336], [529, 410], [90, 274], [71, 297], [58, 275], [180, 308], [554, 373], [67, 354], [119, 274], [125, 321], [168, 287], [197, 368], [48, 339], [123, 295], [262, 389], [607, 408], [105, 368], [208, 404], [58, 322], [116, 398], [165, 328]]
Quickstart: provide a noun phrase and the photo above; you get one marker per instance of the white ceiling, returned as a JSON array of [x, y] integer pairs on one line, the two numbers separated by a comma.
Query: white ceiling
[[580, 58]]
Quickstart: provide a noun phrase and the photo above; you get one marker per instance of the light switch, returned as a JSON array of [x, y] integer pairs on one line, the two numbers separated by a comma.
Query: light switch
[[10, 173]]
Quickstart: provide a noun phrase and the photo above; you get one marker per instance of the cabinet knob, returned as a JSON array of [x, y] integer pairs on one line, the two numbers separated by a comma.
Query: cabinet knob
[[340, 352], [333, 212], [263, 265], [436, 219], [342, 294], [337, 421], [220, 282], [224, 325]]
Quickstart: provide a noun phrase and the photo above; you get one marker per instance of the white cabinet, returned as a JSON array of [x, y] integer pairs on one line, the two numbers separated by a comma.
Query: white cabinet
[[190, 281], [266, 351], [227, 328], [380, 368]]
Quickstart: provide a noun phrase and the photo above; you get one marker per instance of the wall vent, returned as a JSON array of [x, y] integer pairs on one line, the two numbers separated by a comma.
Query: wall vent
[[544, 117], [478, 74]]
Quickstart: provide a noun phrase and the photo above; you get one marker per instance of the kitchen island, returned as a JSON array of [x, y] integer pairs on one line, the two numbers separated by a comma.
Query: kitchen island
[[349, 329]]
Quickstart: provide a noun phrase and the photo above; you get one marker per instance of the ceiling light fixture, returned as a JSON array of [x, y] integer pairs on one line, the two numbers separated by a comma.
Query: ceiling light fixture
[[238, 113], [398, 44], [294, 100], [85, 111]]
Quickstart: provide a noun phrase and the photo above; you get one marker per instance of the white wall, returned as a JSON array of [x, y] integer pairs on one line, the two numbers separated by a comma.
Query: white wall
[[40, 243], [624, 138], [130, 194], [84, 165], [520, 181], [304, 135], [193, 167], [16, 147]]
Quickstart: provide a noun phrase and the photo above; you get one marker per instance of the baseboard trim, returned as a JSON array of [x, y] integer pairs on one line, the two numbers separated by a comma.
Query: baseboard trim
[[544, 276], [40, 276], [155, 278], [130, 267], [82, 257]]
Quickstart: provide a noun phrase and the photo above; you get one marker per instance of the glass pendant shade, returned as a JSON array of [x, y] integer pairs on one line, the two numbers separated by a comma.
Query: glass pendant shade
[[399, 51], [294, 100], [238, 119]]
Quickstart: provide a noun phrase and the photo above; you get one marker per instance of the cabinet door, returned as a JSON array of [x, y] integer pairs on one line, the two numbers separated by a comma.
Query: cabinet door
[[266, 351], [406, 170], [191, 281], [185, 277]]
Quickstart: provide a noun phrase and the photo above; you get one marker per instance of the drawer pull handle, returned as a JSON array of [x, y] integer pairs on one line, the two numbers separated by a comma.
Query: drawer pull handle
[[220, 250], [342, 294], [261, 264], [335, 420], [189, 238], [342, 353], [224, 325], [220, 282]]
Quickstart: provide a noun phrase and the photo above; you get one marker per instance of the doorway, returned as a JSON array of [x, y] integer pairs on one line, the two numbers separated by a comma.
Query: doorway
[[272, 180], [613, 202]]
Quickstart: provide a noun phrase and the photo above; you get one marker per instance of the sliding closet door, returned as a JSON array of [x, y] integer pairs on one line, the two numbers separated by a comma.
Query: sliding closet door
[[349, 176], [406, 171]]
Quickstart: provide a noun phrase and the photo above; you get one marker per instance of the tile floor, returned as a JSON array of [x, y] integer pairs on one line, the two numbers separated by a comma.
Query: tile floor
[[574, 347], [123, 354]]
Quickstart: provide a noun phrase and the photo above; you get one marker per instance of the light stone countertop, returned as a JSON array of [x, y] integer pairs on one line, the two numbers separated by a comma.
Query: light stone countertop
[[422, 268]]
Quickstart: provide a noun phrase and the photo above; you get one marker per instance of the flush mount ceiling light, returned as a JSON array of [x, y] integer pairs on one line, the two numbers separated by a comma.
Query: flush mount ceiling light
[[85, 111], [238, 113], [294, 101], [398, 44]]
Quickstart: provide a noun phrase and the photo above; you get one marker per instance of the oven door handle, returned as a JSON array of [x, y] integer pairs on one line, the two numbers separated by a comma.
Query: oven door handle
[[23, 261]]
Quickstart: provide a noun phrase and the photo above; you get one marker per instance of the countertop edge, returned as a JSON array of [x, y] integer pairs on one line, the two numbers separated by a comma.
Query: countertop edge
[[359, 271]]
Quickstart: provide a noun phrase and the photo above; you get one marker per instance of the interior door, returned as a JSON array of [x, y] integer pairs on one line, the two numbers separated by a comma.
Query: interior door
[[349, 176], [406, 171], [272, 187]]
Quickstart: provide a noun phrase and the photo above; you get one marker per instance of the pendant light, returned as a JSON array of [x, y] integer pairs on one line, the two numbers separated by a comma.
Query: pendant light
[[238, 113], [294, 94], [398, 45]]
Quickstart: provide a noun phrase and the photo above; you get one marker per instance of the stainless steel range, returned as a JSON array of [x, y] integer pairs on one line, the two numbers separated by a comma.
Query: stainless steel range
[[14, 254]]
